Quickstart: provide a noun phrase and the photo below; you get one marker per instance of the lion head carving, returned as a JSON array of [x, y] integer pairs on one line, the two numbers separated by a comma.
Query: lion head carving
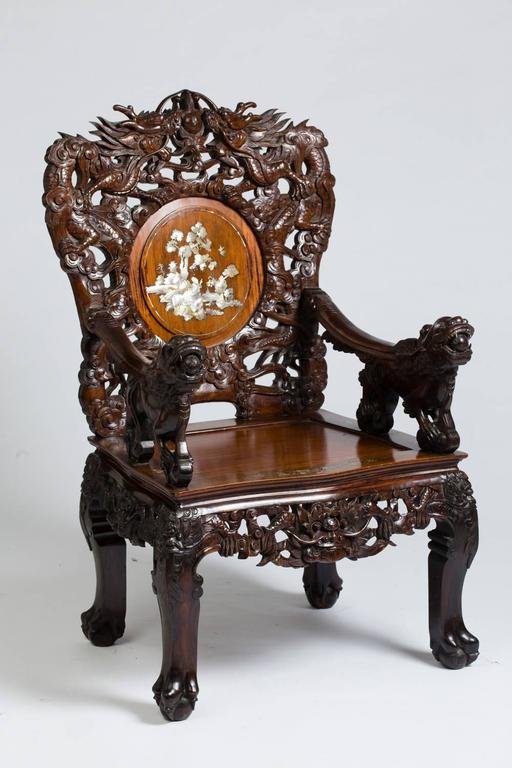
[[181, 362], [447, 341]]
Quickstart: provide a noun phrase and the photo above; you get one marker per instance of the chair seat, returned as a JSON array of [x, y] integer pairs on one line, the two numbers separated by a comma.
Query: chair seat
[[281, 457]]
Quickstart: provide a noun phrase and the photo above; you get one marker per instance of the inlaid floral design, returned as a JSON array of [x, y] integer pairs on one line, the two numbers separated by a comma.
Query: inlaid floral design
[[194, 296]]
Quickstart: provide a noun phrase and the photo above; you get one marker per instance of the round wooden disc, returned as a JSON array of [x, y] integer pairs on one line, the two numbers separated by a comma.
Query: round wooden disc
[[196, 269]]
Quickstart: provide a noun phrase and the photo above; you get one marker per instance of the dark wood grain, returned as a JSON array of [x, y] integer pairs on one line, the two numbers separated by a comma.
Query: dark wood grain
[[178, 589], [322, 584], [284, 482], [104, 622], [258, 168], [453, 545], [159, 407], [421, 371]]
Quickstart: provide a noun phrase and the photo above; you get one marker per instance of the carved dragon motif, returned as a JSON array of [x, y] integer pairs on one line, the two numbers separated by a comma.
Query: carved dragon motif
[[186, 147], [297, 535]]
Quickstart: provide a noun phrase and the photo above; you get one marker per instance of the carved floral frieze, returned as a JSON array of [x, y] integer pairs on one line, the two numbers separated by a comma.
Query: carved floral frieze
[[295, 535]]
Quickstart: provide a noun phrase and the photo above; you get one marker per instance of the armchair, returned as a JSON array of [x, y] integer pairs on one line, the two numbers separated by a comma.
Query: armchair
[[192, 236]]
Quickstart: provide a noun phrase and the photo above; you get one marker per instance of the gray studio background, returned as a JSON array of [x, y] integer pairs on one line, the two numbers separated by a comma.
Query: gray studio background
[[414, 98]]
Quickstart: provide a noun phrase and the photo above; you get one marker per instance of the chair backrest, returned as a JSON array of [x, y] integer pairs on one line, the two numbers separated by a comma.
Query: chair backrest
[[199, 220]]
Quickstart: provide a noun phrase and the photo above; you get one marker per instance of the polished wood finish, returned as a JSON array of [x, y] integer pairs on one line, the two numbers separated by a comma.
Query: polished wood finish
[[159, 407], [178, 589], [453, 545], [421, 371], [284, 481], [104, 622], [273, 174], [322, 584], [281, 457], [228, 231]]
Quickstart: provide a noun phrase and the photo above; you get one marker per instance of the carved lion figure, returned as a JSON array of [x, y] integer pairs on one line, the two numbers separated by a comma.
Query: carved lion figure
[[159, 406], [445, 344], [422, 371]]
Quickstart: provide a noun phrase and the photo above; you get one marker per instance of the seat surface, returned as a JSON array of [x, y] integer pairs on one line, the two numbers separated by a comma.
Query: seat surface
[[233, 457]]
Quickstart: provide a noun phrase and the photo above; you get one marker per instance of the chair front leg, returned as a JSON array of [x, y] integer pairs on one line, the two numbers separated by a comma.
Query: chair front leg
[[178, 589], [322, 584], [104, 622], [453, 545]]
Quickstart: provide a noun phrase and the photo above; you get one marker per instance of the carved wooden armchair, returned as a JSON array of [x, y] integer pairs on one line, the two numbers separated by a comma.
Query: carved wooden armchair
[[192, 237]]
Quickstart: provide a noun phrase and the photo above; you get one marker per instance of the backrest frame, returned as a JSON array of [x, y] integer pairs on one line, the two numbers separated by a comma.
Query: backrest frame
[[274, 174]]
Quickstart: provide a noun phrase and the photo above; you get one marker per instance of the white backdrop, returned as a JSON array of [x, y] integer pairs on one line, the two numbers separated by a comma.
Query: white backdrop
[[414, 98]]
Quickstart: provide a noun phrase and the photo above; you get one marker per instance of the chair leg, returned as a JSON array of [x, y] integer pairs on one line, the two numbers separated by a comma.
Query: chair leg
[[104, 622], [453, 544], [178, 589], [322, 584]]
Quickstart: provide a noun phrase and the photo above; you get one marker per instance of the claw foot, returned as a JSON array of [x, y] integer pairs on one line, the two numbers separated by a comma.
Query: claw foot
[[321, 593], [432, 439], [458, 649], [177, 698], [101, 627]]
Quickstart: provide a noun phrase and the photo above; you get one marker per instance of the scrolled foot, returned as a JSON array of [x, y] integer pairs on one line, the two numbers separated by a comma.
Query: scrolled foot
[[177, 465], [101, 627], [458, 649], [374, 418], [177, 698], [137, 453], [322, 585], [325, 597], [431, 438], [453, 545]]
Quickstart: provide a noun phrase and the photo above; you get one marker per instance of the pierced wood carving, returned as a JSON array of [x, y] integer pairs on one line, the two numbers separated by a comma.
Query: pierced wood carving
[[98, 195], [302, 534], [192, 237], [297, 535], [311, 535]]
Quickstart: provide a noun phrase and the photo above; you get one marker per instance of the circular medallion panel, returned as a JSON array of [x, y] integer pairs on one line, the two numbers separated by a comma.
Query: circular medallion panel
[[196, 269]]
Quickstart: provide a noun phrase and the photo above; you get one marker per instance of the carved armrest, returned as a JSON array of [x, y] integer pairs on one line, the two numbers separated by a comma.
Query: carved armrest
[[421, 371], [158, 393], [130, 359]]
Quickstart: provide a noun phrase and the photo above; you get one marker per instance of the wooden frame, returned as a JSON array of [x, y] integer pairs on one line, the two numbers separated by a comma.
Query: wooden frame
[[284, 481]]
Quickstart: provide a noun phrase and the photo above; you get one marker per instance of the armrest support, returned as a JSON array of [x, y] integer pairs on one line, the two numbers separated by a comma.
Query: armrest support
[[421, 371], [340, 332], [158, 406], [124, 351], [158, 395]]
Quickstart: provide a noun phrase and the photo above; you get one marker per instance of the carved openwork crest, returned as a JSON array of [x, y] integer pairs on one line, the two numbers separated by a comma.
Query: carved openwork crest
[[272, 174]]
